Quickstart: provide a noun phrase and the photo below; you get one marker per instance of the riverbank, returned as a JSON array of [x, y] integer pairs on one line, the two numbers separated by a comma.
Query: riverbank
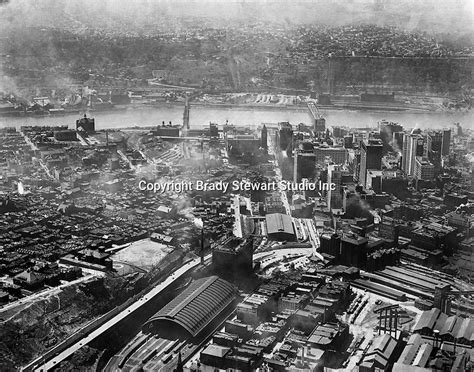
[[140, 115], [338, 106], [355, 106]]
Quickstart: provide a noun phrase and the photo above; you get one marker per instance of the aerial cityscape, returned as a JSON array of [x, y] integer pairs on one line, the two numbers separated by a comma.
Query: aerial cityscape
[[236, 185]]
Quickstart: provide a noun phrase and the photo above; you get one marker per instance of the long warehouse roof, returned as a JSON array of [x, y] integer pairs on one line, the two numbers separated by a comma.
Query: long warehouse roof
[[279, 223]]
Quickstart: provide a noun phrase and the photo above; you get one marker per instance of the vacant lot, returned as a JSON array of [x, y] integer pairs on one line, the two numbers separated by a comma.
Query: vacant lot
[[142, 254]]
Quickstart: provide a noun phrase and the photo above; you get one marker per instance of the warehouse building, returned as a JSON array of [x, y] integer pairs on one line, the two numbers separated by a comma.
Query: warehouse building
[[280, 227]]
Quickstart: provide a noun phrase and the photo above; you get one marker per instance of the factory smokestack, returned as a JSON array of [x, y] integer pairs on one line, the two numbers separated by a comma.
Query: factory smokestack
[[295, 166], [202, 246]]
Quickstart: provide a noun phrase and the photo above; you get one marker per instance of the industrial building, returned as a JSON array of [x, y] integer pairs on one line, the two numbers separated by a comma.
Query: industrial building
[[167, 131], [380, 354], [86, 124], [65, 135], [447, 328]]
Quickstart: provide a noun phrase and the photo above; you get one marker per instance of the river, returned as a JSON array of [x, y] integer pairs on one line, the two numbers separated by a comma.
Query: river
[[245, 116]]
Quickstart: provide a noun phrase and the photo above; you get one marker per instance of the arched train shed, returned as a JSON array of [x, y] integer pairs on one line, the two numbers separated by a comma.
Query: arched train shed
[[193, 309]]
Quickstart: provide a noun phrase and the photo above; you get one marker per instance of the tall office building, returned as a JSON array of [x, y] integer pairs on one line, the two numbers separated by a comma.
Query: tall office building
[[335, 196], [304, 166], [354, 251], [397, 141], [355, 165], [413, 146], [420, 146], [374, 180], [424, 170], [285, 131], [319, 125], [264, 137], [233, 258], [435, 143], [371, 152], [446, 142], [330, 244], [407, 150]]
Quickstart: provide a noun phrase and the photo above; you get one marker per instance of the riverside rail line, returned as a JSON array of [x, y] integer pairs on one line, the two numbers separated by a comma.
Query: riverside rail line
[[93, 330]]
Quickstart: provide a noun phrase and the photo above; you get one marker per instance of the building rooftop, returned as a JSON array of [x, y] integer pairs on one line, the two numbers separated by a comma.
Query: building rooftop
[[216, 350], [278, 223], [427, 320], [324, 334]]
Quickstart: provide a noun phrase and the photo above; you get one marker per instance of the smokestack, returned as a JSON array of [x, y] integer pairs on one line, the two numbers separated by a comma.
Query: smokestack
[[186, 114], [436, 338], [202, 246], [295, 166], [107, 138]]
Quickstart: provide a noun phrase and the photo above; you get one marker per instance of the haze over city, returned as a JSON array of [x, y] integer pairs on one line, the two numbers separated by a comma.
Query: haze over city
[[236, 185]]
